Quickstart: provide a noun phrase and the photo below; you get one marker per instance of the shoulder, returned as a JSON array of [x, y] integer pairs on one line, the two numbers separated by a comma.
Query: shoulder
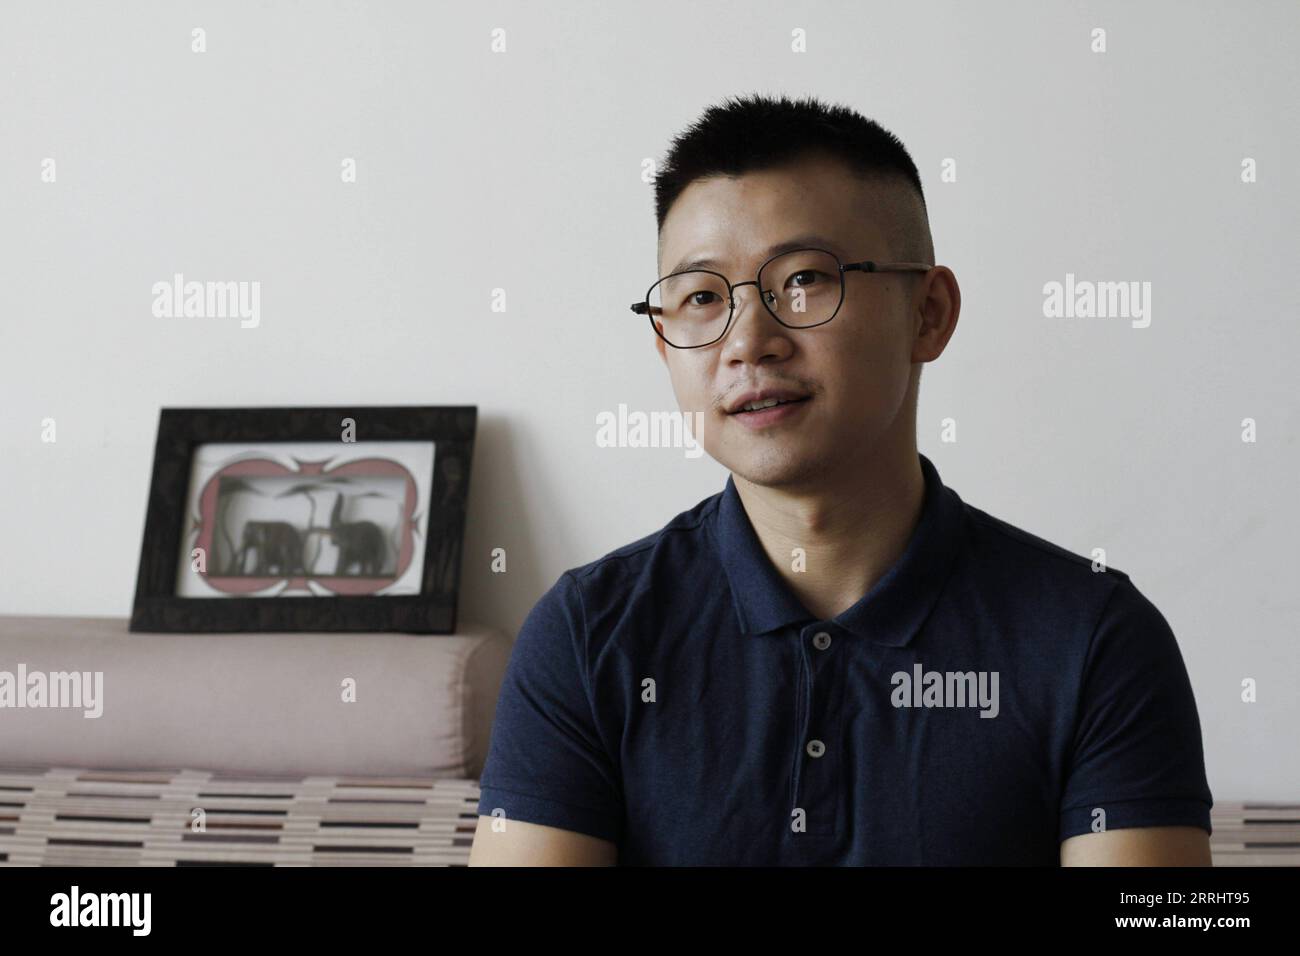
[[1027, 576], [588, 600], [996, 536], [673, 548], [1091, 631]]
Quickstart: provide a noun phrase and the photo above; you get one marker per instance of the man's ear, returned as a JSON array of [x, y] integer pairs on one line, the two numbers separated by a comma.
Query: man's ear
[[663, 349]]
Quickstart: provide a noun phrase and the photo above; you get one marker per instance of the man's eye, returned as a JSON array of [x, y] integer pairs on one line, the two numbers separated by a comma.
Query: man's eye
[[811, 273]]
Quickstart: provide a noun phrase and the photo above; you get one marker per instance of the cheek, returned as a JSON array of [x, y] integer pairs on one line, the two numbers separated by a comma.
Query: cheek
[[689, 377], [867, 370]]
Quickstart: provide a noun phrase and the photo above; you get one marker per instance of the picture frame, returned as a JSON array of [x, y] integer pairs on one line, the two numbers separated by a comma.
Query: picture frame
[[236, 537]]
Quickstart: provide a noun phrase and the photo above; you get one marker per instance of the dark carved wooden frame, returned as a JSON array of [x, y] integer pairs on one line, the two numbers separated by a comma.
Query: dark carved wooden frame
[[180, 430]]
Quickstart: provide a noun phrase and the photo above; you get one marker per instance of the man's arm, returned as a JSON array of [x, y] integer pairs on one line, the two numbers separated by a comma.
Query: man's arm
[[549, 782], [1137, 758], [530, 844], [1139, 846]]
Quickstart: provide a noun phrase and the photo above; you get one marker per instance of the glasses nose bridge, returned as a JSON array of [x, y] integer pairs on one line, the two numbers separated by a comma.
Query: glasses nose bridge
[[765, 297]]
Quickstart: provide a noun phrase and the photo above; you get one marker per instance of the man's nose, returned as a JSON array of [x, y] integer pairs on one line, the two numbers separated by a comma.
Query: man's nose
[[749, 303], [754, 333]]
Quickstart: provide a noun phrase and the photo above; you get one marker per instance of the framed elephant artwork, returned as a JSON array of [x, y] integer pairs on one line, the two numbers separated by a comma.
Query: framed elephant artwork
[[306, 519]]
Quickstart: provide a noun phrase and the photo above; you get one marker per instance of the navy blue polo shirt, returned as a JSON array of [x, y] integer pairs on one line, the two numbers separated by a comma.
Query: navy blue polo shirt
[[991, 696]]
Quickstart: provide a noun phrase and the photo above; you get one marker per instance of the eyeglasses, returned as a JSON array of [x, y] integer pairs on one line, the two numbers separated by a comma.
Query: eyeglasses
[[800, 289]]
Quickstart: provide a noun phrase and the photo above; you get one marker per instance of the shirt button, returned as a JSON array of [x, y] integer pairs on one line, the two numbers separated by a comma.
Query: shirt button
[[821, 640], [815, 748]]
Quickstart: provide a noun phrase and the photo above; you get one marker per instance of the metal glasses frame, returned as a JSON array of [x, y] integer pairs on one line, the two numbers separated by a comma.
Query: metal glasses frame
[[768, 296]]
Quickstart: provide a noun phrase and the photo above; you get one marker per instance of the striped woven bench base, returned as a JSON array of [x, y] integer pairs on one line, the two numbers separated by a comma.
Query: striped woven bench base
[[1255, 834], [79, 817]]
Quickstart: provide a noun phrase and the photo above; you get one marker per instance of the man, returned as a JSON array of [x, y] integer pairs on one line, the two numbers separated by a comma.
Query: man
[[835, 660]]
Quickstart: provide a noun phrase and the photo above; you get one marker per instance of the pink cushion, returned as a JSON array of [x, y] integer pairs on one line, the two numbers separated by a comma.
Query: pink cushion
[[259, 702]]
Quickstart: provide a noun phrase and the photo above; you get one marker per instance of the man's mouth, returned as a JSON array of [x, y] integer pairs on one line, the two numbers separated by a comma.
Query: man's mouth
[[751, 408]]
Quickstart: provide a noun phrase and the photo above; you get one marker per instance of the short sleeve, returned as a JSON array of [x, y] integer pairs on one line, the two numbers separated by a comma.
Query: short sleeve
[[546, 762], [1137, 751]]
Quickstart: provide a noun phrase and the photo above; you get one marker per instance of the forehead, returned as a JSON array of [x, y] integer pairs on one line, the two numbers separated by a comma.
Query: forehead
[[736, 221]]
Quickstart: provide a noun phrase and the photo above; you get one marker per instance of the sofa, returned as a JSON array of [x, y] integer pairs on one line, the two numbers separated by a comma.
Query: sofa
[[298, 749], [294, 750]]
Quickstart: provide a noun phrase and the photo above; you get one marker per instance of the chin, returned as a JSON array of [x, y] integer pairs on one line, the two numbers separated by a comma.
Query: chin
[[779, 468]]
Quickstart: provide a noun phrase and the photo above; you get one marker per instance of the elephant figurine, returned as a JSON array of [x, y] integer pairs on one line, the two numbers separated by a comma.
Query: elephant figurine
[[277, 544], [358, 542]]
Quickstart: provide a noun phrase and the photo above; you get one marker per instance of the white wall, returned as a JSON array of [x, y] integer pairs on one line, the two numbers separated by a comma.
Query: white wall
[[479, 171]]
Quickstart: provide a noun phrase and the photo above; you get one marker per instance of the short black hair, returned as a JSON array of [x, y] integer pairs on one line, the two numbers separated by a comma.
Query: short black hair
[[758, 132]]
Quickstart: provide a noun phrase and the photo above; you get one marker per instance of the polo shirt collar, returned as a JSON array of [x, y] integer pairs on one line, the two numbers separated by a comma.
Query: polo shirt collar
[[895, 608]]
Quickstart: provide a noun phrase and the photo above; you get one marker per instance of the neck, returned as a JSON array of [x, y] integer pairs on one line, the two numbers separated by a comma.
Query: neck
[[852, 528]]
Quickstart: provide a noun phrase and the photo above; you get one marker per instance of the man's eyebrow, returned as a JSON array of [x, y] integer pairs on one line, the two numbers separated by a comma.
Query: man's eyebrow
[[789, 245]]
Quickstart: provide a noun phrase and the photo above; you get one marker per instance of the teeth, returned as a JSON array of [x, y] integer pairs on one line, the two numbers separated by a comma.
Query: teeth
[[766, 403]]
